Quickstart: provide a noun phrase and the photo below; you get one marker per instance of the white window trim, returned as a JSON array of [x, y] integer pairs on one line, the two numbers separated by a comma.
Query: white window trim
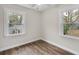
[[8, 10]]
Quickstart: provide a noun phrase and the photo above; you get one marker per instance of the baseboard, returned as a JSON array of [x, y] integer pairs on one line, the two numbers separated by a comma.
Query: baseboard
[[35, 39], [9, 47], [67, 49]]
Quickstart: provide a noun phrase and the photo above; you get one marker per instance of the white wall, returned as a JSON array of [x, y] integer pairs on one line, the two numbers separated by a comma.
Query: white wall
[[45, 24], [32, 28], [50, 29]]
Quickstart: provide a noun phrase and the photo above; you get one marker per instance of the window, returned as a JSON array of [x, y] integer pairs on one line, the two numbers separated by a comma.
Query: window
[[14, 22]]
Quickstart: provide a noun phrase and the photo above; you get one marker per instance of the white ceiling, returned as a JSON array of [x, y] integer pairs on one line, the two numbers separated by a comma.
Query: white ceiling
[[38, 7]]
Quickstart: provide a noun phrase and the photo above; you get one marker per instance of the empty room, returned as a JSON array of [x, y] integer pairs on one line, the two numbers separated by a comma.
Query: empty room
[[39, 29]]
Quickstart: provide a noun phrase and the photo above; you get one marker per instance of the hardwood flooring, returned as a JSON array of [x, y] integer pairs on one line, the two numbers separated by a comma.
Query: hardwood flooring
[[36, 48]]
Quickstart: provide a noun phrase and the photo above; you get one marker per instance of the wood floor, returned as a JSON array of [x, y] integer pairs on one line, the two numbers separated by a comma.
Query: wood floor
[[36, 48]]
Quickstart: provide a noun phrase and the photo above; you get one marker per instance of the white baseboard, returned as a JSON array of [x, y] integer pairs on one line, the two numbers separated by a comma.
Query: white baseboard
[[35, 39], [67, 49], [23, 43]]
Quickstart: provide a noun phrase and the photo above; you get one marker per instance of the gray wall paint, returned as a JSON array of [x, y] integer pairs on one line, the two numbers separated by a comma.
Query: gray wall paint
[[51, 19], [32, 28]]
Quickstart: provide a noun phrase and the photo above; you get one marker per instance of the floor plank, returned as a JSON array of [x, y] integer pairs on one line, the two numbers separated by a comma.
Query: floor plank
[[39, 47]]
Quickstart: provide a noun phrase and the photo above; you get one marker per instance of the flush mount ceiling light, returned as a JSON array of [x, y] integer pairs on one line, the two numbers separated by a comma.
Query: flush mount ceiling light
[[38, 7]]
